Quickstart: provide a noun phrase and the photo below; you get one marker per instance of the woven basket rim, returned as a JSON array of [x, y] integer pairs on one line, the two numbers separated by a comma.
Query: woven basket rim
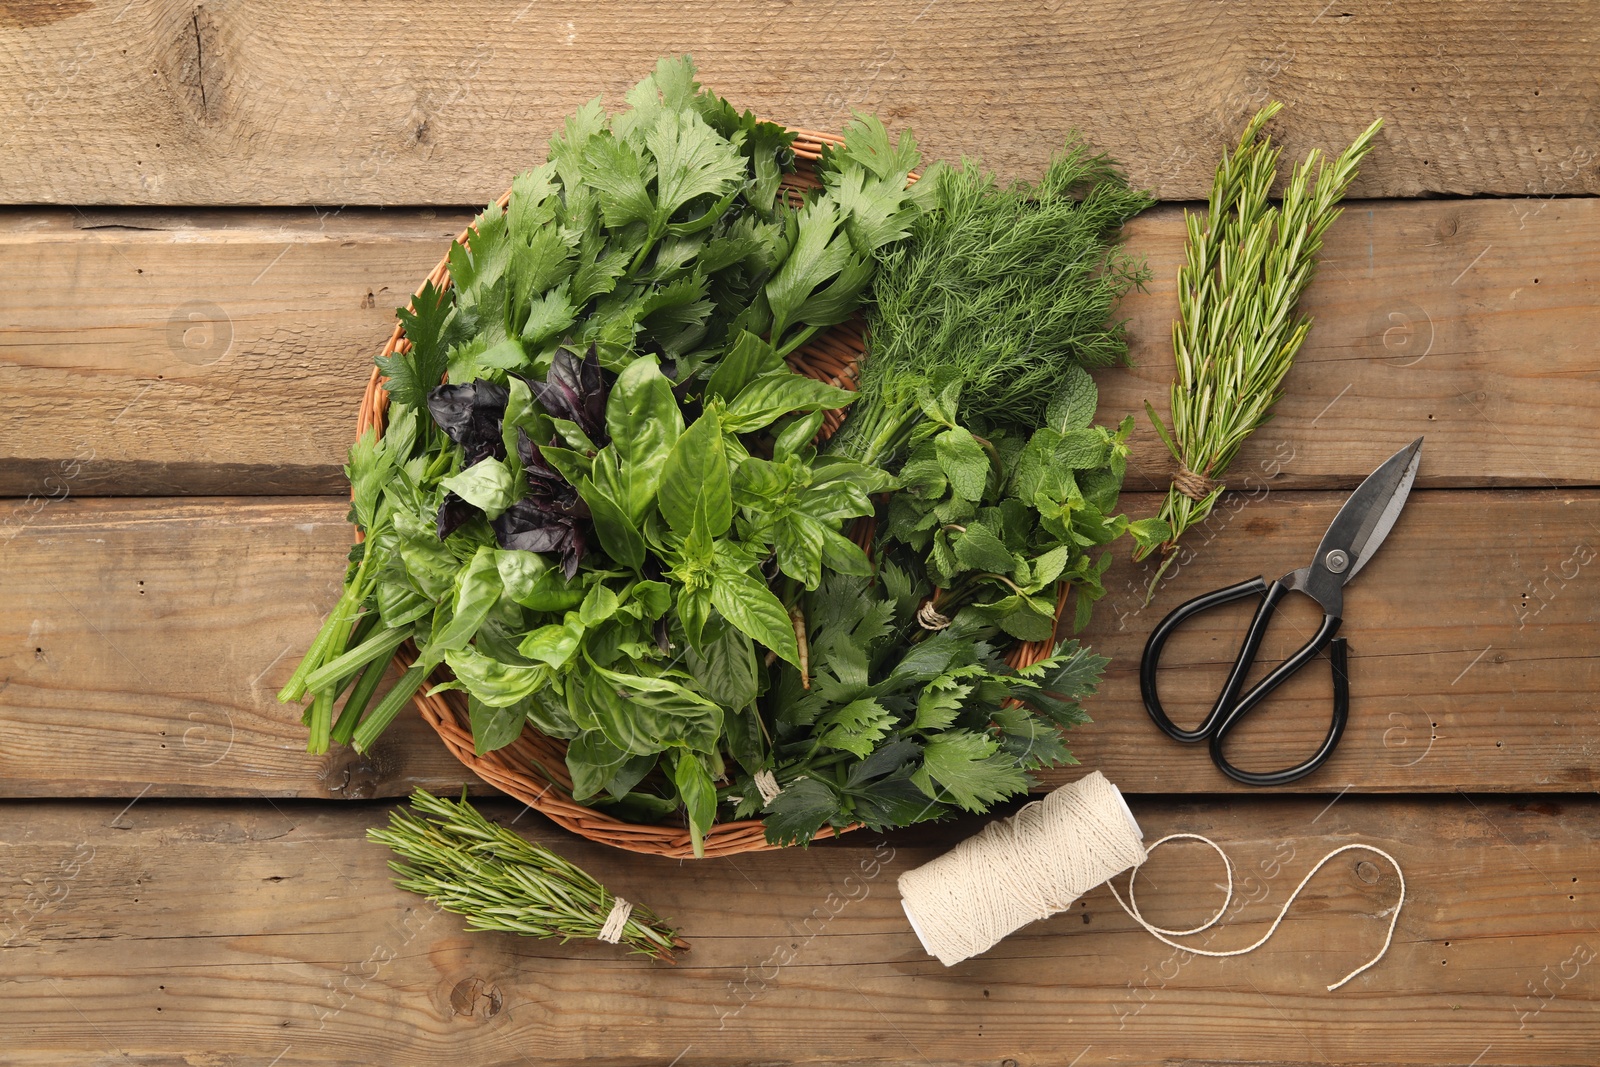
[[825, 356]]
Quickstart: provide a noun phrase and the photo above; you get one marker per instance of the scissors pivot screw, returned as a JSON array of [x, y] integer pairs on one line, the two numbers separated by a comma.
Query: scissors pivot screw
[[1337, 561]]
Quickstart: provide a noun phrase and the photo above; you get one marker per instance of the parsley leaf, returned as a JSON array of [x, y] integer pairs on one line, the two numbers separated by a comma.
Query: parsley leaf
[[431, 329]]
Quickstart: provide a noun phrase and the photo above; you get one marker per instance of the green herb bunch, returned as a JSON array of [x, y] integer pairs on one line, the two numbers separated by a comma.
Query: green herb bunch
[[603, 522], [895, 726], [599, 501], [468, 865], [1246, 265], [998, 292]]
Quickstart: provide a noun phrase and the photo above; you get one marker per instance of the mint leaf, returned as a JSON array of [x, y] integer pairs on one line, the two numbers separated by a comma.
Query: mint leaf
[[978, 549], [963, 461], [1075, 401]]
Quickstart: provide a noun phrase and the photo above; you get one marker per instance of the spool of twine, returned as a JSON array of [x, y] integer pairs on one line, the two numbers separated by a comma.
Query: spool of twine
[[1018, 870], [1042, 859]]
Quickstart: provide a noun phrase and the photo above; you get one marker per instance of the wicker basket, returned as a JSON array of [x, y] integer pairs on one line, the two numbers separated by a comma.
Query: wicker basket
[[533, 768]]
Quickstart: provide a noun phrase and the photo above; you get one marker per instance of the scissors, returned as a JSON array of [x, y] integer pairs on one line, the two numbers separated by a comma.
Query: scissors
[[1356, 532]]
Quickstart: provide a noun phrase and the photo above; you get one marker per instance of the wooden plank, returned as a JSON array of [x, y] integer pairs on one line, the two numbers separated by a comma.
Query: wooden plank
[[149, 636], [198, 352], [228, 103], [252, 934], [1471, 321]]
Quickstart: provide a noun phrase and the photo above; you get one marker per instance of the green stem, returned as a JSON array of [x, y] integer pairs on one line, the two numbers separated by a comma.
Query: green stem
[[360, 697], [388, 708], [800, 338], [321, 722], [379, 645]]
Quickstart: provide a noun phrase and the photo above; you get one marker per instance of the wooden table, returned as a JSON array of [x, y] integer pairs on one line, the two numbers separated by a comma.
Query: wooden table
[[220, 206]]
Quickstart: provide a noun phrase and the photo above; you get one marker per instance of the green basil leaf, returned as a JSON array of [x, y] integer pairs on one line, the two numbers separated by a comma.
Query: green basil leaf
[[477, 589], [750, 606], [644, 714], [653, 597], [748, 357], [771, 396], [493, 728], [495, 683], [726, 670], [571, 465], [598, 606], [573, 435], [486, 484], [694, 611], [592, 761], [554, 644], [643, 419], [531, 581], [844, 556], [698, 793], [618, 535], [798, 435], [695, 479], [799, 548]]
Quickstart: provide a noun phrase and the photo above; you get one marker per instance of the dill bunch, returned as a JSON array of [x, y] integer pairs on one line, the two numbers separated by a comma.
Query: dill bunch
[[468, 865], [998, 290], [1236, 336]]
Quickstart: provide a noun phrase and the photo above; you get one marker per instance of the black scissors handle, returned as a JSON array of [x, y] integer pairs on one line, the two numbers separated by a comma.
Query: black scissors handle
[[1230, 707]]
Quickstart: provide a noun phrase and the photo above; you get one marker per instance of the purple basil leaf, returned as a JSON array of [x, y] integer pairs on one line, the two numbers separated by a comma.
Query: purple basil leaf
[[558, 394], [453, 513], [470, 415], [591, 388], [530, 526]]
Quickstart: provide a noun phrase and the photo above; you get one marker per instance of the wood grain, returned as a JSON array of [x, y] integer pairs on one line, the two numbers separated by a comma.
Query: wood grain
[[146, 639], [223, 352], [271, 934], [239, 103]]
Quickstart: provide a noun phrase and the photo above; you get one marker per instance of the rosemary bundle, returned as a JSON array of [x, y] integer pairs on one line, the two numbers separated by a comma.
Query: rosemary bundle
[[1247, 264], [468, 865]]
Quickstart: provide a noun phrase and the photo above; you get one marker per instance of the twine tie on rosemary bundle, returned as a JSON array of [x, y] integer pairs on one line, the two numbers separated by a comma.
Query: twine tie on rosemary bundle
[[616, 921], [1041, 860], [1194, 486]]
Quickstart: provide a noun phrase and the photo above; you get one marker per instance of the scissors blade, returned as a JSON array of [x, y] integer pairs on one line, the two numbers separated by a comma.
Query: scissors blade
[[1371, 512]]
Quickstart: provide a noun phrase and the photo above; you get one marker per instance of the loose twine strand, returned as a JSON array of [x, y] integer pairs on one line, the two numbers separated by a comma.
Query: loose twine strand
[[1131, 906], [1052, 851]]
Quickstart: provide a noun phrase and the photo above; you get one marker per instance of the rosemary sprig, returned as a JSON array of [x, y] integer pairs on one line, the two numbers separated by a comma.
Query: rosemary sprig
[[468, 865], [1236, 336]]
